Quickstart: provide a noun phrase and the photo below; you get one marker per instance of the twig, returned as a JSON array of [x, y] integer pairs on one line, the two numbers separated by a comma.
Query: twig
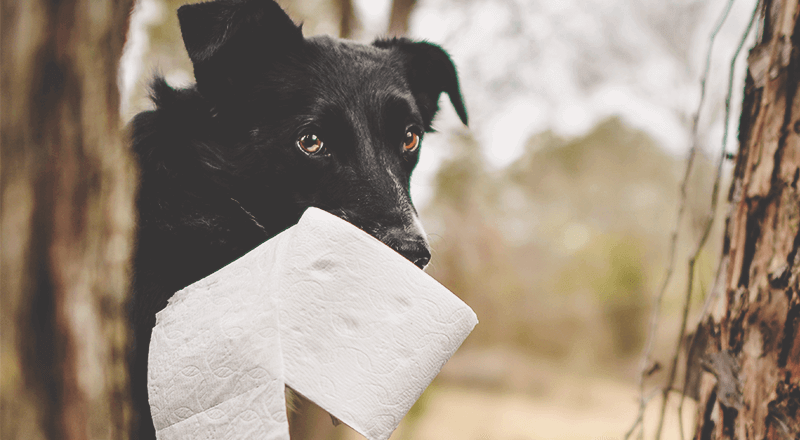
[[646, 354], [640, 417], [711, 215]]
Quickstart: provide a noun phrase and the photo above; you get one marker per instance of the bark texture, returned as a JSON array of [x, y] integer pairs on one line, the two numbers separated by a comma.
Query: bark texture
[[753, 353], [66, 221]]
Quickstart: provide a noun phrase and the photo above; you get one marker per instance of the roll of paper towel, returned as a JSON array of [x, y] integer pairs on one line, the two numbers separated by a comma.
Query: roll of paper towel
[[322, 307]]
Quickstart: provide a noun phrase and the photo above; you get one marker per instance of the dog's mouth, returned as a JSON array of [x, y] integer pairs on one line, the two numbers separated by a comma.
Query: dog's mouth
[[405, 240], [415, 251]]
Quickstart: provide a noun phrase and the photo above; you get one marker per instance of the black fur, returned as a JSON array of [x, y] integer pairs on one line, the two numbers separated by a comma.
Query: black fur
[[221, 171]]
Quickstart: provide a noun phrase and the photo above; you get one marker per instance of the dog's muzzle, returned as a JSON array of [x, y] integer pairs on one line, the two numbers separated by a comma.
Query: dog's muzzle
[[407, 240], [414, 248]]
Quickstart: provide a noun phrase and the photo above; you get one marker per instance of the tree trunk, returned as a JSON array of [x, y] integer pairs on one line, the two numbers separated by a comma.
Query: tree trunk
[[753, 391], [66, 221], [348, 22], [400, 16]]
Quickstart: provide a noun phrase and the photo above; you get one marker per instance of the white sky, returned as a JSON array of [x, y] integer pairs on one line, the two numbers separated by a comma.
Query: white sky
[[530, 66]]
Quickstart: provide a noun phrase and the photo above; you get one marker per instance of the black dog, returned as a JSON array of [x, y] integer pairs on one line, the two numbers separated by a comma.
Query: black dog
[[275, 124]]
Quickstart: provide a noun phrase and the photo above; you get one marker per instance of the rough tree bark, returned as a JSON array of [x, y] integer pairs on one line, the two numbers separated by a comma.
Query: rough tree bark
[[753, 391], [66, 220]]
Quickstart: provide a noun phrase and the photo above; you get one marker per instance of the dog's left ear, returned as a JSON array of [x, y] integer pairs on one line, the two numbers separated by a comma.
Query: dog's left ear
[[430, 71], [229, 41]]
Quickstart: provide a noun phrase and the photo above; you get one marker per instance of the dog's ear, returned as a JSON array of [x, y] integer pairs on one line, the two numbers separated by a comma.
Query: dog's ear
[[227, 39], [430, 71]]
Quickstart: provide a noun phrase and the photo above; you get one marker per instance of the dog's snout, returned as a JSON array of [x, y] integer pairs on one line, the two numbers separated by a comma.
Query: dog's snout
[[416, 252], [410, 244], [408, 241]]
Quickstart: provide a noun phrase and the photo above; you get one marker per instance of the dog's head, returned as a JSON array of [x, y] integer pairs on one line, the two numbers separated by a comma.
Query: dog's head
[[318, 121]]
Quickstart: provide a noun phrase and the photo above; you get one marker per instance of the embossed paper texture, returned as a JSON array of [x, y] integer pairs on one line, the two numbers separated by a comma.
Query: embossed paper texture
[[324, 308]]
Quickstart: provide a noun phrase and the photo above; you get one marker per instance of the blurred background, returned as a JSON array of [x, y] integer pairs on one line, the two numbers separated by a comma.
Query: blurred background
[[551, 214]]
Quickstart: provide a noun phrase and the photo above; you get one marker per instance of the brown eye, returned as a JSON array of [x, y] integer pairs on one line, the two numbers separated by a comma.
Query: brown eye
[[411, 141], [310, 143]]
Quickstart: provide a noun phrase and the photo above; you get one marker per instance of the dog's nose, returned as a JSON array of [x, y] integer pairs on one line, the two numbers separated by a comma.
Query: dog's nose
[[415, 251], [410, 244]]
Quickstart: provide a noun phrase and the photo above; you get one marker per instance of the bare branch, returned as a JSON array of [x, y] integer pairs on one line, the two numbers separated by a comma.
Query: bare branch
[[711, 215], [647, 353]]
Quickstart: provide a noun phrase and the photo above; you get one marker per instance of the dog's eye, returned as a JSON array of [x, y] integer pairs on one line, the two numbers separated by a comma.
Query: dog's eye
[[411, 141], [310, 143]]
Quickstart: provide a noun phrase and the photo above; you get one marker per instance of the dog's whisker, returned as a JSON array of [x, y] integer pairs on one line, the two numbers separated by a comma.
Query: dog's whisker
[[252, 217]]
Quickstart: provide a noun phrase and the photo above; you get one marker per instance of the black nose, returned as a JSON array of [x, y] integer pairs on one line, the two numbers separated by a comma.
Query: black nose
[[410, 245], [415, 251]]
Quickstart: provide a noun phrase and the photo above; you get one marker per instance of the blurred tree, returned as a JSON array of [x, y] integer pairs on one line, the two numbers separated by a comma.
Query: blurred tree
[[612, 265], [66, 217], [471, 259], [348, 22], [556, 251], [754, 349], [400, 16]]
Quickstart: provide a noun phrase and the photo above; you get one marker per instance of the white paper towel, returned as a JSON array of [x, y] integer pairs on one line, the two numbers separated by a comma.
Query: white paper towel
[[324, 308]]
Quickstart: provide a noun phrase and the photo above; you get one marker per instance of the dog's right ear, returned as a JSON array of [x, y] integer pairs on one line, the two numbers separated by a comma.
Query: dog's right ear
[[229, 40], [430, 71]]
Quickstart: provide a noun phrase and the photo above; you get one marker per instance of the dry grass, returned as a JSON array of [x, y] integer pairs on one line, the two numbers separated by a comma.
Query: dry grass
[[498, 395]]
